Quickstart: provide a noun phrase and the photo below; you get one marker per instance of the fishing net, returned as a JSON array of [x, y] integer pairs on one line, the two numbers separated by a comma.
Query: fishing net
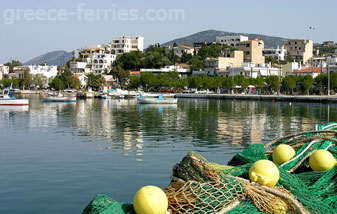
[[199, 186]]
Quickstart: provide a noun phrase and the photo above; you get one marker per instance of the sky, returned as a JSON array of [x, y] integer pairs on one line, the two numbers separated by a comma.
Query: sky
[[29, 28]]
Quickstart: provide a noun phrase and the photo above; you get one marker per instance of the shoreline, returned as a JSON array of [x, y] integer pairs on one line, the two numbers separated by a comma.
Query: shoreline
[[289, 98]]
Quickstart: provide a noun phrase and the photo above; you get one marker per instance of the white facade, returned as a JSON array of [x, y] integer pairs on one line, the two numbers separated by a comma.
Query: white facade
[[4, 69], [331, 60], [252, 70], [83, 79], [78, 67], [98, 59], [46, 70], [231, 40], [125, 44], [180, 49], [183, 72], [276, 53]]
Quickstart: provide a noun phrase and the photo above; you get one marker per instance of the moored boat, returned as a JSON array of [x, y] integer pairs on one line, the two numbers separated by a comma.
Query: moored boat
[[159, 100], [58, 98], [8, 99]]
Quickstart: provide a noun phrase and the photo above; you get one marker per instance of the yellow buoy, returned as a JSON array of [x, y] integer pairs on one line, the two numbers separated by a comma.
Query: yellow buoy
[[321, 160], [278, 206], [150, 200], [282, 153], [264, 172]]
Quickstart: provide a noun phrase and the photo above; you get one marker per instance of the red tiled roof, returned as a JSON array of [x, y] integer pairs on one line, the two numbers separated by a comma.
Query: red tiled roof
[[311, 70], [77, 75], [134, 73], [185, 46]]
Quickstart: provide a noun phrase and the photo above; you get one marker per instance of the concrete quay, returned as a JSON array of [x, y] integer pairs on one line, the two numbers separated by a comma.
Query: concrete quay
[[287, 98]]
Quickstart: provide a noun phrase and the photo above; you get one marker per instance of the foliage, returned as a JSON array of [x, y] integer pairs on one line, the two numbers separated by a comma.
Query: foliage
[[27, 79], [13, 64], [57, 84], [119, 73], [273, 82], [40, 81], [196, 63], [289, 83], [95, 80], [134, 82], [307, 82], [76, 83]]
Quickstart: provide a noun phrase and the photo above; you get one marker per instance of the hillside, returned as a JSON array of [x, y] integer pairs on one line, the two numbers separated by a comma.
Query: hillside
[[210, 36], [51, 58]]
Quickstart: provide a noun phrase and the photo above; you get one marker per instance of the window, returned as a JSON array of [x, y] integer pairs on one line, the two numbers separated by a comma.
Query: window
[[248, 45], [247, 52]]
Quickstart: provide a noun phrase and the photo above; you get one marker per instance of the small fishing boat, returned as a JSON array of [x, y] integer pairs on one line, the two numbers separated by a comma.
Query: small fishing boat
[[8, 99], [58, 98], [159, 100]]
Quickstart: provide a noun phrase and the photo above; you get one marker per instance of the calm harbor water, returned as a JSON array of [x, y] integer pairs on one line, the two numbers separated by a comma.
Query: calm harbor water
[[55, 157]]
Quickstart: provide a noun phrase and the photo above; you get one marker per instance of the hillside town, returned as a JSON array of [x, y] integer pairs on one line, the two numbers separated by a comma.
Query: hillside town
[[124, 62]]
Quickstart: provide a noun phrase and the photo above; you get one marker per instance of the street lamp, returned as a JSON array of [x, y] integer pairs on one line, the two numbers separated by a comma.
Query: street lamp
[[328, 80]]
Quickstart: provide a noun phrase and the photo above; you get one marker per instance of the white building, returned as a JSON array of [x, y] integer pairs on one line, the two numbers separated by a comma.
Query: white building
[[180, 49], [251, 70], [331, 60], [276, 53], [4, 70], [183, 72], [79, 67], [231, 40], [46, 70], [124, 44], [98, 59], [83, 79]]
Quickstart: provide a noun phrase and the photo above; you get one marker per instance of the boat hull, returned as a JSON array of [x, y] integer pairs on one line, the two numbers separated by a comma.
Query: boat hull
[[156, 101], [14, 102], [59, 99]]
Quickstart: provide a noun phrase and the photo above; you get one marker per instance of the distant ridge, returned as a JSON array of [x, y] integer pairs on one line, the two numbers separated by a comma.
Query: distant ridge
[[210, 36], [58, 58]]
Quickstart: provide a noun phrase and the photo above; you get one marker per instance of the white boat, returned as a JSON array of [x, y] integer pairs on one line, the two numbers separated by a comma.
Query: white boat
[[58, 98], [159, 100], [7, 99]]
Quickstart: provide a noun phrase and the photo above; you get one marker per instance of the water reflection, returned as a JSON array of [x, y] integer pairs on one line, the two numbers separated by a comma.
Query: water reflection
[[132, 128]]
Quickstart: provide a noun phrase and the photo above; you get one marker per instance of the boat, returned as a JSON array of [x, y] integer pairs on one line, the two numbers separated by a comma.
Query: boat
[[159, 100], [58, 98], [8, 99]]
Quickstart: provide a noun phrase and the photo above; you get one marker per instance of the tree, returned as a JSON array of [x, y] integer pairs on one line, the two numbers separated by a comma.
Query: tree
[[134, 82], [259, 83], [27, 79], [76, 84], [95, 80], [196, 63], [119, 73], [66, 77], [307, 83], [194, 81], [289, 83], [57, 84], [40, 80], [13, 64], [273, 82]]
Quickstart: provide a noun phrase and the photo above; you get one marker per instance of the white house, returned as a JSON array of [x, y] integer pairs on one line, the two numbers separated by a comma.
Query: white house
[[231, 40], [83, 79], [46, 70], [180, 49], [4, 70], [124, 44], [312, 71], [183, 72], [276, 53], [79, 67]]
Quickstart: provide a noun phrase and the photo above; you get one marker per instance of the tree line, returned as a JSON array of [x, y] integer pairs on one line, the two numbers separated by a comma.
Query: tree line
[[263, 85]]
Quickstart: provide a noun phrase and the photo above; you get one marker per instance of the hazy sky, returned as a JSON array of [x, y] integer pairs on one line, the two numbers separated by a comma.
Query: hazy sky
[[33, 27]]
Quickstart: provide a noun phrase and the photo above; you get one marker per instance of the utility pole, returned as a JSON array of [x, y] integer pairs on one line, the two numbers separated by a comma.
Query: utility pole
[[328, 80]]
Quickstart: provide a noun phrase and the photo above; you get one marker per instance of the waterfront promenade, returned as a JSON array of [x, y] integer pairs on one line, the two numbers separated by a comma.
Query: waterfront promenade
[[290, 98]]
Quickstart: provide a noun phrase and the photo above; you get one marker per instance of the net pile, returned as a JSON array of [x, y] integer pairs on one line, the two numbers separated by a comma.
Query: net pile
[[199, 186]]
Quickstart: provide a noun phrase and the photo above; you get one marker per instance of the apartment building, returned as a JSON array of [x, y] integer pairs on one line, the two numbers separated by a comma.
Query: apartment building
[[300, 50], [276, 53], [124, 44], [48, 71], [4, 70], [230, 59], [231, 40], [252, 51], [98, 59]]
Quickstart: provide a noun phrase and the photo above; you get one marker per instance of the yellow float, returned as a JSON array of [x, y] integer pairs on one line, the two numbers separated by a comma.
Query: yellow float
[[322, 160], [282, 153], [265, 172], [150, 200]]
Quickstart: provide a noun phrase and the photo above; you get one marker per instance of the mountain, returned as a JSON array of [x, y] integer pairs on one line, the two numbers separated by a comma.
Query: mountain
[[210, 36], [51, 58]]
